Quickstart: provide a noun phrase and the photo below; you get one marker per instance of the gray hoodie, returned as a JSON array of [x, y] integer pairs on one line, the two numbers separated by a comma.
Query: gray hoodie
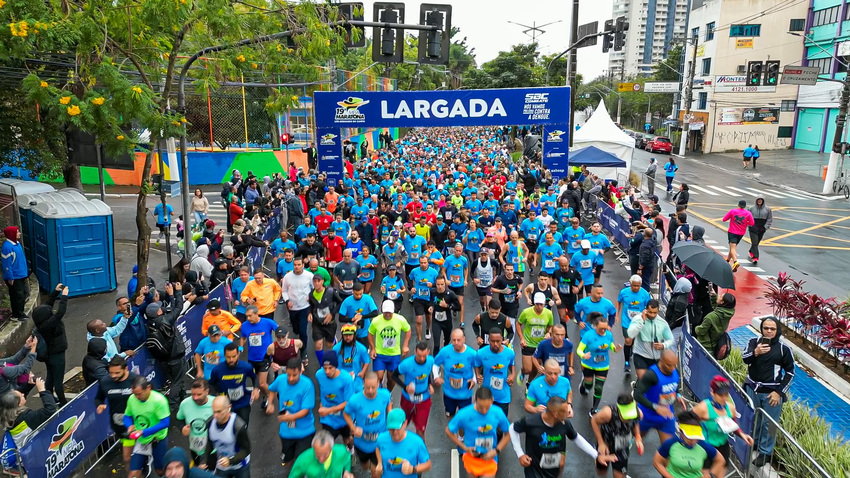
[[200, 263], [762, 216]]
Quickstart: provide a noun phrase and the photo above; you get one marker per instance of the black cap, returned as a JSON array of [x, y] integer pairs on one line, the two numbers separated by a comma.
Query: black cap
[[281, 331], [214, 304]]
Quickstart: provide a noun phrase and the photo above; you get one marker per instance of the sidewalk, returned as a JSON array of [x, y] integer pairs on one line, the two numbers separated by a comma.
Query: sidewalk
[[792, 168]]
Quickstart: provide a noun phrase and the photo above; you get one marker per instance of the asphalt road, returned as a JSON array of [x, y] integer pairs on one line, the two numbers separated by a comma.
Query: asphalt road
[[809, 234]]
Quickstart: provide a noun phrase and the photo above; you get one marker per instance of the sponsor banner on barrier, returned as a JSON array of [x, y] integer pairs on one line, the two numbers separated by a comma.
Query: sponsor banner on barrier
[[556, 144], [697, 370], [618, 226]]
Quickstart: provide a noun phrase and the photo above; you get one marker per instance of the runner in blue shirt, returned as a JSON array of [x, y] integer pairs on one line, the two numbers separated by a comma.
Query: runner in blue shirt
[[366, 416], [358, 304], [236, 289], [335, 388], [400, 453], [573, 235], [368, 264], [258, 333], [473, 204], [285, 264], [303, 230], [282, 243], [550, 384], [598, 242], [549, 253], [415, 246], [456, 271], [297, 397], [483, 425], [353, 356], [584, 261], [631, 302], [210, 350], [457, 375], [558, 348], [163, 219], [594, 349], [595, 302], [532, 230], [422, 279], [494, 369], [414, 376], [231, 378], [393, 287], [563, 215], [340, 227]]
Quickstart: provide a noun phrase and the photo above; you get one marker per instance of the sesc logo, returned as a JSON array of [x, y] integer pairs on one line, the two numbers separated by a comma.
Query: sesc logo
[[555, 136], [328, 139]]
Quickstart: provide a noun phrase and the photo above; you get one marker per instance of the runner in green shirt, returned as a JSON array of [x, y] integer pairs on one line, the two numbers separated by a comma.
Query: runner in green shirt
[[194, 411], [323, 459], [147, 417], [315, 269], [534, 324], [389, 337]]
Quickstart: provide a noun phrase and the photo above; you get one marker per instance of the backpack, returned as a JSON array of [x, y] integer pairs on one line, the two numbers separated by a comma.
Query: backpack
[[40, 348], [722, 347], [160, 340]]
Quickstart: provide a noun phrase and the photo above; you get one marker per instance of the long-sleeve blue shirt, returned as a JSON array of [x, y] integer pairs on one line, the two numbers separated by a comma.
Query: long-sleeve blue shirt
[[14, 261]]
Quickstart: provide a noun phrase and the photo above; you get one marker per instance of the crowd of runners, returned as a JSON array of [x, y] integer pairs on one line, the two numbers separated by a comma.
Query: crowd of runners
[[440, 267]]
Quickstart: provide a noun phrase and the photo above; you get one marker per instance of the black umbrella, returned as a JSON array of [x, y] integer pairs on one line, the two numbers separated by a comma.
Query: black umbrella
[[707, 263]]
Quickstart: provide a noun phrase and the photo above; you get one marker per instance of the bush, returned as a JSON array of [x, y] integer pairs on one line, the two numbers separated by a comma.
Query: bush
[[809, 430]]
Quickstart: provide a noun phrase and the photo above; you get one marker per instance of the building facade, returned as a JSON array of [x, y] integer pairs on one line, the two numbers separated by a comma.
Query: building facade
[[827, 26], [653, 26], [729, 113]]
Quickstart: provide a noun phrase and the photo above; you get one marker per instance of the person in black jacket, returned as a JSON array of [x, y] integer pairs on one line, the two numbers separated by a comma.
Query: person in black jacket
[[163, 315], [634, 249], [114, 390], [770, 369], [194, 289], [322, 312], [312, 157], [682, 196], [94, 367], [366, 232], [21, 421], [444, 304], [52, 329], [646, 259]]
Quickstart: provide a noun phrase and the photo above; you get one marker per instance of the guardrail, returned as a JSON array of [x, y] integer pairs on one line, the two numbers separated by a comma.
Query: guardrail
[[790, 460], [68, 439]]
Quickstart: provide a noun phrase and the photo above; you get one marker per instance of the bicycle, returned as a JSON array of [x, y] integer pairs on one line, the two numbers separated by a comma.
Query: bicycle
[[840, 185]]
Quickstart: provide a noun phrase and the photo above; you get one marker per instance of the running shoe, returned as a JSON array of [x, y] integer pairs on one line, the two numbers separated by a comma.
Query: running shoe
[[735, 266], [427, 334]]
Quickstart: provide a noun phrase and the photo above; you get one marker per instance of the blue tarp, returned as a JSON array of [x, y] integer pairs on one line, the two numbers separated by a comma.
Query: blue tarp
[[593, 156]]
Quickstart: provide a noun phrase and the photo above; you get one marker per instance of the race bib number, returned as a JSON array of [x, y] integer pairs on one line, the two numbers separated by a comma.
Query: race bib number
[[666, 398], [538, 332], [198, 443], [370, 437], [550, 461], [392, 295], [440, 316], [532, 236], [423, 291], [586, 263], [291, 424], [347, 284], [516, 260], [598, 358], [633, 313], [145, 449], [456, 383], [235, 393], [448, 215], [575, 245], [727, 425], [255, 340], [549, 264], [510, 298], [484, 443], [118, 418], [414, 255], [389, 342], [323, 312], [418, 398], [497, 383], [454, 279]]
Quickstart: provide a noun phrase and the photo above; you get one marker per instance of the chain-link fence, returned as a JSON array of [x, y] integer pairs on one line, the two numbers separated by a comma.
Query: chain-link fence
[[231, 117]]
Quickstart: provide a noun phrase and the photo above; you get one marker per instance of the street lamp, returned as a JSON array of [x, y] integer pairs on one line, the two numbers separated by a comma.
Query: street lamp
[[689, 98]]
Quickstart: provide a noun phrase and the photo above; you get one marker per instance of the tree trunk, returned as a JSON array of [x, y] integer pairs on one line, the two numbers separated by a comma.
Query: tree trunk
[[71, 174], [144, 236]]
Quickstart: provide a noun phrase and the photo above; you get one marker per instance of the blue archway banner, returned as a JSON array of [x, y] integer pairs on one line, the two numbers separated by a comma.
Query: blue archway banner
[[548, 106]]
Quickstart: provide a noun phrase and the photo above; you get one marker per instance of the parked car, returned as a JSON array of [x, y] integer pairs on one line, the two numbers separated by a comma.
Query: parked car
[[659, 144], [642, 139]]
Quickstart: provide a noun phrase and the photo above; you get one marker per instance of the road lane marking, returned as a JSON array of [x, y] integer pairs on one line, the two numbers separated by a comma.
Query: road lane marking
[[698, 188], [455, 463], [765, 193], [722, 191], [772, 240]]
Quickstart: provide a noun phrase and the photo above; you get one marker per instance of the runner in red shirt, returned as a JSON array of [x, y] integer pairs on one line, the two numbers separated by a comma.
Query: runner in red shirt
[[323, 222], [333, 248]]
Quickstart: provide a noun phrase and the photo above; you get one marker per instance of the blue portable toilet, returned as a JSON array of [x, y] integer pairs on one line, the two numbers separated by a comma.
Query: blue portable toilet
[[74, 246], [26, 202], [10, 190]]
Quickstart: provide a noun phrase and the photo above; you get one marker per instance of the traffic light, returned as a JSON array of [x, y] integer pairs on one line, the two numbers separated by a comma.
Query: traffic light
[[434, 44], [608, 38], [754, 69], [388, 43], [771, 72], [286, 138], [353, 11], [620, 29]]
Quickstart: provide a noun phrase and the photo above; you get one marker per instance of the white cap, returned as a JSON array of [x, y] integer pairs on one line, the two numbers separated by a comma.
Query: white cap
[[540, 298], [585, 244], [398, 223], [388, 306]]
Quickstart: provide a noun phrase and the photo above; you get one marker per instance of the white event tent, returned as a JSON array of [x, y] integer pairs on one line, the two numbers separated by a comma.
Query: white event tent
[[601, 132]]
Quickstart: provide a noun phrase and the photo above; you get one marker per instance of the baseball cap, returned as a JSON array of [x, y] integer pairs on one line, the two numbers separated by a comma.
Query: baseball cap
[[330, 358], [628, 411], [585, 244], [153, 309], [395, 419], [490, 234], [392, 268], [540, 298], [213, 330], [349, 329], [694, 432], [281, 331], [213, 304], [388, 306]]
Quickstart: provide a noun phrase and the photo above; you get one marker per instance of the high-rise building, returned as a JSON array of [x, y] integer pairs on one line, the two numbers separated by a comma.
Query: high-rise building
[[653, 26]]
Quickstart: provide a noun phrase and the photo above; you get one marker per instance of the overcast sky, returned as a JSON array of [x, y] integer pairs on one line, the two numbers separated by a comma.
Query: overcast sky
[[485, 24]]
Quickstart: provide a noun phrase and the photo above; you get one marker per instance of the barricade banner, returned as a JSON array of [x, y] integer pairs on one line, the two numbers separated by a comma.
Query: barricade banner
[[619, 227], [697, 369], [66, 439], [190, 324]]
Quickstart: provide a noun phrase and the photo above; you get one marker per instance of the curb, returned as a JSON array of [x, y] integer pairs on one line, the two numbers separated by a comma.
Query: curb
[[14, 334]]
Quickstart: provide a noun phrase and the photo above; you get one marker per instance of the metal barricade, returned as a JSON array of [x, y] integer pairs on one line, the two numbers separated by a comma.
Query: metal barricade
[[789, 459], [18, 470]]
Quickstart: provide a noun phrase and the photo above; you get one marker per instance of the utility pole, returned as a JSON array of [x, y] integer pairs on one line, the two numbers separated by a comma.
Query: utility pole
[[619, 96], [840, 122], [689, 98], [571, 80]]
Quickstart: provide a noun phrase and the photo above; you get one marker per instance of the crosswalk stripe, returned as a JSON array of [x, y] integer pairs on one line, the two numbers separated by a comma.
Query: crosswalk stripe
[[754, 269], [746, 193], [765, 193], [722, 190], [765, 277], [676, 188], [698, 188]]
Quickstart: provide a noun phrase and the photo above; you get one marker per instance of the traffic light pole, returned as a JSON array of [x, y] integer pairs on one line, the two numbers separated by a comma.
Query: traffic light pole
[[689, 98], [840, 123], [573, 67]]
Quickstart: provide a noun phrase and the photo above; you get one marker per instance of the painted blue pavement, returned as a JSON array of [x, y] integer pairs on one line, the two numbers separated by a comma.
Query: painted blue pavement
[[821, 399]]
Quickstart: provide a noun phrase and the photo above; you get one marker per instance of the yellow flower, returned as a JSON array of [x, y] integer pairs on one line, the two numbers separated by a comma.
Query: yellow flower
[[328, 42], [43, 83], [279, 48], [120, 137], [240, 58], [137, 90], [166, 55], [182, 120], [289, 50], [2, 3], [73, 110], [253, 65], [98, 101], [175, 123], [294, 97], [65, 100]]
